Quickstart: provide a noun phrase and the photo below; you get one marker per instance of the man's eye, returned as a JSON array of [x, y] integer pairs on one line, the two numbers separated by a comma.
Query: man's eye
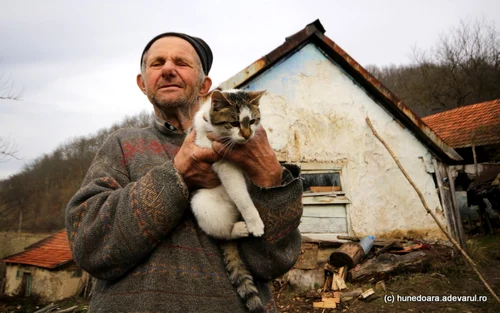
[[235, 124]]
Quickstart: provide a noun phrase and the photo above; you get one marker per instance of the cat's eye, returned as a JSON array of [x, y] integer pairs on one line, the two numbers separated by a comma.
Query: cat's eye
[[252, 122], [235, 124]]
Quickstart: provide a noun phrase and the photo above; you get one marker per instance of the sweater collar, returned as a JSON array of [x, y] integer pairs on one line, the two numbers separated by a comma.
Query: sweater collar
[[166, 128]]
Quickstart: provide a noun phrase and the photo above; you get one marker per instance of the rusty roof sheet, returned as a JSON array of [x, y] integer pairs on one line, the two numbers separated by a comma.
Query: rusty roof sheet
[[314, 33], [476, 124], [50, 252]]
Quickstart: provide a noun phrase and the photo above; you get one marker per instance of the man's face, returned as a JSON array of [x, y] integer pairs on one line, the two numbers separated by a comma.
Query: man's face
[[171, 75]]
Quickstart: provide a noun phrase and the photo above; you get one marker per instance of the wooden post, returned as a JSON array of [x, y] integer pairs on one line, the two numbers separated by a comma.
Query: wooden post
[[446, 201], [475, 159], [349, 254], [456, 210]]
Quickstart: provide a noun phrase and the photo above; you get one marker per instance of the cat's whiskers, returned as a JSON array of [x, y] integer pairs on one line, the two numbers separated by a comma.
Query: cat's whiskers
[[228, 145]]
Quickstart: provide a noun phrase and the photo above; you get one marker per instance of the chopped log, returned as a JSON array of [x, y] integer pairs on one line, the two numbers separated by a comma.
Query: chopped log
[[325, 305], [387, 264], [380, 285], [330, 268], [338, 284], [339, 276], [367, 293], [349, 254], [351, 294], [328, 283]]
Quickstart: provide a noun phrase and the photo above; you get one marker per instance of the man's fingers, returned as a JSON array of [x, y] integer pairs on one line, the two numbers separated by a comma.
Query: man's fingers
[[206, 155]]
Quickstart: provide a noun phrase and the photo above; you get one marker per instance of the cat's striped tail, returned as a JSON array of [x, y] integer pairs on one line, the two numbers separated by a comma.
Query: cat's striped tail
[[241, 277]]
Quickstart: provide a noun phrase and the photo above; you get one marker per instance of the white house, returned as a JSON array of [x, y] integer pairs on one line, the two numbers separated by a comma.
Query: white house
[[314, 111]]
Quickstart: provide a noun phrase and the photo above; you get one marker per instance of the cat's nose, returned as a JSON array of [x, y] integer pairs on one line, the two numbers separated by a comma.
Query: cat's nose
[[245, 133]]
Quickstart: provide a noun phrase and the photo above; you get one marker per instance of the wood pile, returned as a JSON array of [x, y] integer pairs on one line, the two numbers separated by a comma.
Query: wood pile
[[349, 263]]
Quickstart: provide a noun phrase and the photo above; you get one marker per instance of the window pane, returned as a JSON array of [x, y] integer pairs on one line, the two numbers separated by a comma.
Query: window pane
[[321, 182]]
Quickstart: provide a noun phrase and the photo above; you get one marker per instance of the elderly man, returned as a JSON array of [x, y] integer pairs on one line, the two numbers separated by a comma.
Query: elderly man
[[130, 225]]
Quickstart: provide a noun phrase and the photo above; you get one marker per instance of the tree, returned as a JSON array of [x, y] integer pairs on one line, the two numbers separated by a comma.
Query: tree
[[8, 149], [461, 69]]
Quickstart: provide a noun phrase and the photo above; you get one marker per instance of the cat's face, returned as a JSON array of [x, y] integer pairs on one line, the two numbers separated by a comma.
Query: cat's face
[[235, 114]]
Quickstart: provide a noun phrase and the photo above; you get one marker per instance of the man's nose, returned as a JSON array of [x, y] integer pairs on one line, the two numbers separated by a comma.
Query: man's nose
[[169, 68]]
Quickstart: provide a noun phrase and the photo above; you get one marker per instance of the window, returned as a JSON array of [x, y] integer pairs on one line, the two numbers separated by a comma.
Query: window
[[324, 200], [321, 181]]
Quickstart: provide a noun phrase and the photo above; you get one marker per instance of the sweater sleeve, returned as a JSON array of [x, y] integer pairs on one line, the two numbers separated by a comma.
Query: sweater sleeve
[[114, 222], [280, 208]]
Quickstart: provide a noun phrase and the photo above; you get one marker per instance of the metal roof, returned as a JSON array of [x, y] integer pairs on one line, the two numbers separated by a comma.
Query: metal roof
[[477, 124], [314, 33], [49, 253]]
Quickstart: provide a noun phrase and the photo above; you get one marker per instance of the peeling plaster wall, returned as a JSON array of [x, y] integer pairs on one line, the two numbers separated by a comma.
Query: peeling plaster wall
[[315, 112], [49, 285]]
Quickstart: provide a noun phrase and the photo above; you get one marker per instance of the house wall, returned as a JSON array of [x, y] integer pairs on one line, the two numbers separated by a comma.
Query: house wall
[[315, 112], [48, 285]]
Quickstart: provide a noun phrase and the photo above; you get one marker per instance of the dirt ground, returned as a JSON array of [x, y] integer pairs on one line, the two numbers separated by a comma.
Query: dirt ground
[[446, 277]]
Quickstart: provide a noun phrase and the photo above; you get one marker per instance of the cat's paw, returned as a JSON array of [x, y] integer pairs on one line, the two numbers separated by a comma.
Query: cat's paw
[[256, 227], [240, 230]]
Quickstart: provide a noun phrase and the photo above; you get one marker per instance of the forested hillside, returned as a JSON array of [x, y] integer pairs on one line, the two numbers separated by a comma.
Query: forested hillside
[[462, 68], [35, 198]]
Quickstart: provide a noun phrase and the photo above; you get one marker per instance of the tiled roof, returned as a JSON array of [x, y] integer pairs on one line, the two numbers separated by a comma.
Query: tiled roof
[[50, 252], [476, 124]]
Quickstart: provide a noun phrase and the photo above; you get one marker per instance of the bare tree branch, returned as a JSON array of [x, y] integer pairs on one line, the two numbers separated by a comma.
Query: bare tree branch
[[8, 150]]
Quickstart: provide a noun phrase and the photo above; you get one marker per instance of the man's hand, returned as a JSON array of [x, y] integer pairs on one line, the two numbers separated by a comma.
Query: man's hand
[[195, 164], [256, 158]]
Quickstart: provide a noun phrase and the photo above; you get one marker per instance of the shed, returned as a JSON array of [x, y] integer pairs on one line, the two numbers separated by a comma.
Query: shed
[[314, 111], [473, 131], [45, 269]]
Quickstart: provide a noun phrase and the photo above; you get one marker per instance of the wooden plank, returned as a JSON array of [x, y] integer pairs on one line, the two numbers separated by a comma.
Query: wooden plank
[[324, 211], [325, 200], [316, 194], [445, 196], [323, 225], [456, 210], [324, 305], [325, 299]]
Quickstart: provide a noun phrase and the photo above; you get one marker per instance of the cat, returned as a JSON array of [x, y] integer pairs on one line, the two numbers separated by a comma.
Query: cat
[[233, 115]]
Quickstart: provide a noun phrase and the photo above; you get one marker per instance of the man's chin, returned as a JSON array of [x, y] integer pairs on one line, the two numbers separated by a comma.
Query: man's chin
[[169, 103]]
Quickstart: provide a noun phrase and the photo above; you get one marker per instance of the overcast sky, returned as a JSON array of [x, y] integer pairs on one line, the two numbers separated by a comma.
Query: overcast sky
[[76, 61]]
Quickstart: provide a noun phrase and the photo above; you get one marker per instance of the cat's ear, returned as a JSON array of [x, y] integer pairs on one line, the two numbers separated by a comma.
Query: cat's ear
[[219, 100], [255, 96]]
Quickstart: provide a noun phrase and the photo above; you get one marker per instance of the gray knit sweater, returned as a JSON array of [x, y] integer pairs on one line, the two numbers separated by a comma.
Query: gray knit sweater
[[130, 226]]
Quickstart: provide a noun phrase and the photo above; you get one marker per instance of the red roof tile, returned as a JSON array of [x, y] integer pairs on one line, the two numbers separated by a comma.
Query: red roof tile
[[50, 252], [477, 124]]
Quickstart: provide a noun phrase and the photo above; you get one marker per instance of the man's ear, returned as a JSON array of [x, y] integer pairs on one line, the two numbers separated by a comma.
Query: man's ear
[[140, 83], [205, 86]]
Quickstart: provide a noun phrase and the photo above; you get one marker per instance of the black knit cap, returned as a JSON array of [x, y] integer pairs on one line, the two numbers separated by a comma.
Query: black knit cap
[[199, 45]]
